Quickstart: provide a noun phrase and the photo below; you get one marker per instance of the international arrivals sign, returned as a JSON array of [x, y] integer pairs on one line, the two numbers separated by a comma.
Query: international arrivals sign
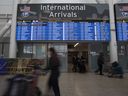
[[63, 11], [51, 12]]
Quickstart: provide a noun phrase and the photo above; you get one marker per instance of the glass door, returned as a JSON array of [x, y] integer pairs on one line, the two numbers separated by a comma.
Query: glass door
[[123, 55], [94, 50]]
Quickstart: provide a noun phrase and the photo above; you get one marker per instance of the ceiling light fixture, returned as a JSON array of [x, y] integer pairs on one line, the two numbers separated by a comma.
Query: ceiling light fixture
[[76, 44]]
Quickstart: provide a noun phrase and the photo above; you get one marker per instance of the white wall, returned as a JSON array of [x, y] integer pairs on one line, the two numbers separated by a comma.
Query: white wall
[[2, 23], [122, 1], [6, 6], [63, 1]]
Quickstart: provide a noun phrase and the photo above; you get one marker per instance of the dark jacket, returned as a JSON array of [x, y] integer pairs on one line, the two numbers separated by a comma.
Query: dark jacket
[[54, 62], [100, 60]]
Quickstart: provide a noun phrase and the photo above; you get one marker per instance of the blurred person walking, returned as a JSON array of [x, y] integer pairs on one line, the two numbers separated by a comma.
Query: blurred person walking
[[54, 64], [78, 61], [100, 62], [74, 69]]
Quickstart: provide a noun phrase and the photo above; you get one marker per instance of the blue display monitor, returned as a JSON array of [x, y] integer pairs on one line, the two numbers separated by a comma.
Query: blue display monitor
[[63, 22], [121, 18], [122, 31]]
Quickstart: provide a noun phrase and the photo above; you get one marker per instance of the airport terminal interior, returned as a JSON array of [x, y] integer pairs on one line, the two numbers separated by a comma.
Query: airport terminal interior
[[63, 48]]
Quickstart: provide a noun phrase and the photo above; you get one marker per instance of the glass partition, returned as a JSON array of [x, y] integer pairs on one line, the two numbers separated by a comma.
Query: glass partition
[[94, 50], [40, 51], [123, 55]]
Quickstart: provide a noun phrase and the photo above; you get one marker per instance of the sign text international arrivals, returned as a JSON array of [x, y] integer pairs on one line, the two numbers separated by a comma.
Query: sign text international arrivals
[[60, 11], [49, 12]]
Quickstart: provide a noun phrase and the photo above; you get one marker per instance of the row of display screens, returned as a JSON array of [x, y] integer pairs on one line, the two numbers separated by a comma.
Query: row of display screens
[[69, 31], [63, 31]]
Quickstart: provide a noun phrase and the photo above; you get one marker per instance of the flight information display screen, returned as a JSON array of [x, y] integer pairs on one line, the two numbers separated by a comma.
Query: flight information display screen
[[63, 31], [76, 25], [121, 11], [122, 31]]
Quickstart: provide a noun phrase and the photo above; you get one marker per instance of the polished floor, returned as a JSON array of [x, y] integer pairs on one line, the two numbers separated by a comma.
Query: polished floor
[[75, 84]]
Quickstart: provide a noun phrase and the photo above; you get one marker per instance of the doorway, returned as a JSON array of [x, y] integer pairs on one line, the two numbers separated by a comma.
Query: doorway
[[77, 50]]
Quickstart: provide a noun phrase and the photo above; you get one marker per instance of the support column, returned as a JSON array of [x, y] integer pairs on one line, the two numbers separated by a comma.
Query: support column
[[113, 42], [13, 48]]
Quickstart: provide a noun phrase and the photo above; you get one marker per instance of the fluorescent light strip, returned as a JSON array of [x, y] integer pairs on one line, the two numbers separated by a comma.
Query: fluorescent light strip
[[76, 44]]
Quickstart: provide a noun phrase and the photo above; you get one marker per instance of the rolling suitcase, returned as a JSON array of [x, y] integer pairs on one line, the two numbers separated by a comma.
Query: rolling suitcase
[[17, 86], [22, 85]]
